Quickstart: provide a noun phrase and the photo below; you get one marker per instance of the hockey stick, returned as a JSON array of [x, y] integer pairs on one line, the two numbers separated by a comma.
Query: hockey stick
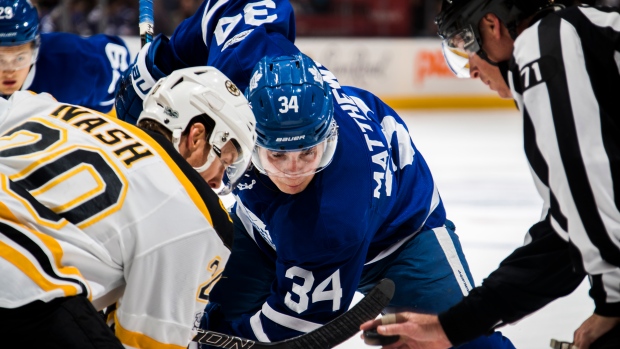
[[146, 21], [327, 336]]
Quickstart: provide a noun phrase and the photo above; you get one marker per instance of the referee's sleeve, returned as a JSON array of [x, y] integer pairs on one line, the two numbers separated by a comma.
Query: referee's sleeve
[[560, 75], [531, 277]]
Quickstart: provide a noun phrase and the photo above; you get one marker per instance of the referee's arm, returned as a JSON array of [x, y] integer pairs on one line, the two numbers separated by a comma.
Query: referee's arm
[[568, 75]]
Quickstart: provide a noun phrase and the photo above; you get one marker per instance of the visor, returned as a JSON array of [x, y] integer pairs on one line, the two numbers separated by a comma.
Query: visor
[[234, 171], [457, 61], [235, 158], [457, 47], [13, 58], [298, 162]]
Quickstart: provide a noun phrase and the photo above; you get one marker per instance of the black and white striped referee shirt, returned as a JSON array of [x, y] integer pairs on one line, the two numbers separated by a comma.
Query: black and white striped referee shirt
[[566, 82], [565, 79]]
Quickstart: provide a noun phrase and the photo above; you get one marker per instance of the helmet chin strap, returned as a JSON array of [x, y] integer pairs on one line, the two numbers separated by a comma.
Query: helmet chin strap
[[482, 54], [176, 140], [207, 163], [502, 66]]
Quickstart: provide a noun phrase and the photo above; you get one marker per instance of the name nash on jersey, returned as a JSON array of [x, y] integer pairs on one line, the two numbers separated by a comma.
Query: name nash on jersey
[[126, 148]]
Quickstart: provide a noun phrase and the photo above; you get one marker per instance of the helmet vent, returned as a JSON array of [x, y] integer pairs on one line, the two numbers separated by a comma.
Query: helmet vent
[[271, 67], [176, 83], [297, 64], [156, 88]]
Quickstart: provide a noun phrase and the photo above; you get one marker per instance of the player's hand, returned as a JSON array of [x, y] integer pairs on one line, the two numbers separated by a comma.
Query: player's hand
[[213, 319], [416, 331], [592, 329], [127, 102], [141, 75]]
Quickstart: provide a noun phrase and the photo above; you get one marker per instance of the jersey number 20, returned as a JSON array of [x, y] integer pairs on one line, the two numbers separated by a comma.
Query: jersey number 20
[[58, 178]]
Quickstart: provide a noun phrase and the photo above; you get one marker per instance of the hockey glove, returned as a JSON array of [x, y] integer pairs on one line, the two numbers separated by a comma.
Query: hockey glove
[[213, 320], [137, 81]]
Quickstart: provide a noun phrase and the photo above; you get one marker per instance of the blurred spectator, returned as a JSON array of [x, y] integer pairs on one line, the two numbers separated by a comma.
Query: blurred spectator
[[311, 6], [333, 17], [122, 18], [51, 19]]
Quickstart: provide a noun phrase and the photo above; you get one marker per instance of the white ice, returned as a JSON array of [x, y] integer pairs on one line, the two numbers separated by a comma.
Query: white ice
[[478, 162]]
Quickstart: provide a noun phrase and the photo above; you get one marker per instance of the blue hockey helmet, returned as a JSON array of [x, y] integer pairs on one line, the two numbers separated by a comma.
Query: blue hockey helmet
[[458, 22], [19, 22], [19, 25], [294, 110]]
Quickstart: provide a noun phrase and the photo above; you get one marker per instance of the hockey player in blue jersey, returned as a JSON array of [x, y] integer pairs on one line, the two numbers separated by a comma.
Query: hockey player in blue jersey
[[71, 68], [231, 35], [339, 198]]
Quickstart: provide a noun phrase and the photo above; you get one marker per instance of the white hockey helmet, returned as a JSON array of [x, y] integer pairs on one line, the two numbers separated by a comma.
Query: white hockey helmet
[[190, 92]]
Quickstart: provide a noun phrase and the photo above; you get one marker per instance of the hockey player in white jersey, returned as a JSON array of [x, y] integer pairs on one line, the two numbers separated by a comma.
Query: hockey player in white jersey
[[94, 212]]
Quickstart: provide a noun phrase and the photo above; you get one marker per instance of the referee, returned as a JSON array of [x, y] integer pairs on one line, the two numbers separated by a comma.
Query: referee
[[562, 66]]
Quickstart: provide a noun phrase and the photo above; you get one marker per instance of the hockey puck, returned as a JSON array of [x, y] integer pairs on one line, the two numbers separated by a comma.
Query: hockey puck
[[371, 337]]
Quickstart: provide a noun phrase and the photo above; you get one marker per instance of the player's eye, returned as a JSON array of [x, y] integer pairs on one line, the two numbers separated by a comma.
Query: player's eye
[[309, 152]]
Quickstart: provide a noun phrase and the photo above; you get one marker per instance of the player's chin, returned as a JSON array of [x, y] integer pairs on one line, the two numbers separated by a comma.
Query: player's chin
[[8, 90], [291, 186]]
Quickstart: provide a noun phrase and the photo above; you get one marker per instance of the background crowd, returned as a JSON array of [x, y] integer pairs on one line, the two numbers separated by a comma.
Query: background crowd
[[399, 18]]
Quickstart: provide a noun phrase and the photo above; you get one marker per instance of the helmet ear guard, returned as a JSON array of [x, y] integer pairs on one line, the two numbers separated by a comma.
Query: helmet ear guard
[[205, 92]]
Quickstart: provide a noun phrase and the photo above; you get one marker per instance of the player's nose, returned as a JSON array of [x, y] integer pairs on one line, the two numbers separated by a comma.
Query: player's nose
[[216, 181]]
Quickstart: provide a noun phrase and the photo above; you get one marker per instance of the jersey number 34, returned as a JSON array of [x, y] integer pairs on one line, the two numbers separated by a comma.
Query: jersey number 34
[[320, 292]]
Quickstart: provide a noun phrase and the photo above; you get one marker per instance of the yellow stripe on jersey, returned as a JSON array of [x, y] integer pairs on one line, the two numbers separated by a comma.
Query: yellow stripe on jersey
[[112, 113], [189, 187], [139, 340], [24, 264]]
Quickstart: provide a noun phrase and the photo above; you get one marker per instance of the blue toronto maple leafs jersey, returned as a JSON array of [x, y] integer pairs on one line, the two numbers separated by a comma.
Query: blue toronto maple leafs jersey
[[79, 70], [231, 35], [377, 193]]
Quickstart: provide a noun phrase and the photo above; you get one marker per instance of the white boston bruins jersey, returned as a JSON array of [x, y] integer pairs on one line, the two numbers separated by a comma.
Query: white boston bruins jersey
[[92, 206]]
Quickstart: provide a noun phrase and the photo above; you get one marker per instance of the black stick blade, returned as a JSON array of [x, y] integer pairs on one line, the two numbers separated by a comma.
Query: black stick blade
[[327, 336], [348, 324]]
